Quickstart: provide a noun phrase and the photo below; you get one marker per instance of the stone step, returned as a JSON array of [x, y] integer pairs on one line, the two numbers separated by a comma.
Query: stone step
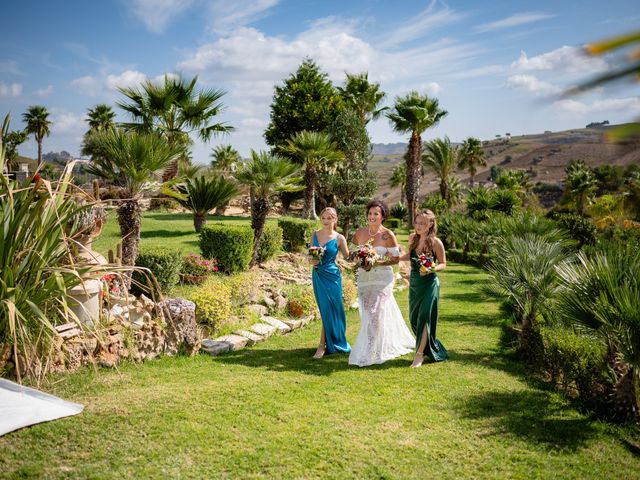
[[292, 323], [263, 329], [251, 336], [213, 347], [279, 324], [235, 342]]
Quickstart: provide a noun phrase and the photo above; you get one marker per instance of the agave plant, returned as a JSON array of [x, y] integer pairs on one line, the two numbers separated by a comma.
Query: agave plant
[[201, 195], [601, 295]]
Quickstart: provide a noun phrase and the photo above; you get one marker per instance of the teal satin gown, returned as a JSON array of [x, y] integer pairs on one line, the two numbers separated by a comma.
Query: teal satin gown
[[423, 310], [327, 288]]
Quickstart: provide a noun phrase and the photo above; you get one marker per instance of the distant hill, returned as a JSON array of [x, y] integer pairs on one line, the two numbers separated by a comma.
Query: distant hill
[[389, 148], [544, 155]]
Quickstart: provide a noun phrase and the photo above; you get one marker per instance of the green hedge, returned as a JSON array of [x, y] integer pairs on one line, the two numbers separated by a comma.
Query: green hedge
[[271, 242], [393, 223], [164, 263], [476, 259], [230, 245], [296, 232]]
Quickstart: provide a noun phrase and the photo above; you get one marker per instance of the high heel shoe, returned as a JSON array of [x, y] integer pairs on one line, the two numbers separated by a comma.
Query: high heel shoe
[[417, 362], [319, 353]]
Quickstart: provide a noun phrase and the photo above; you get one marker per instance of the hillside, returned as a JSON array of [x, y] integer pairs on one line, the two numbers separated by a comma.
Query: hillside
[[545, 155]]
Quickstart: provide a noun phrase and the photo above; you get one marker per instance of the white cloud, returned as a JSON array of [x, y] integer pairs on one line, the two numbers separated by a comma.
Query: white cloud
[[480, 71], [88, 85], [566, 59], [227, 16], [427, 20], [531, 84], [44, 92], [11, 67], [157, 14], [513, 21], [63, 122], [10, 91], [620, 105], [128, 78]]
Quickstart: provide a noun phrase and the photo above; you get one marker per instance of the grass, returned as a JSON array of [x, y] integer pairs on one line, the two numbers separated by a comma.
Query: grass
[[272, 412]]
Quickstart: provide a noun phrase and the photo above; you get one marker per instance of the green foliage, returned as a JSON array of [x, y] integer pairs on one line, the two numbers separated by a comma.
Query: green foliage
[[245, 288], [165, 264], [350, 134], [301, 301], [400, 211], [479, 202], [271, 242], [349, 292], [610, 178], [504, 201], [296, 232], [306, 101], [580, 185], [213, 303], [441, 156], [579, 228], [435, 203], [393, 223], [363, 97], [230, 245], [37, 119], [203, 194], [471, 156], [161, 204]]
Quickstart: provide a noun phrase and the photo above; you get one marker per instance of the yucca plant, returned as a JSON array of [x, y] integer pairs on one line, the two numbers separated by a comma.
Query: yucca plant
[[601, 295], [201, 195]]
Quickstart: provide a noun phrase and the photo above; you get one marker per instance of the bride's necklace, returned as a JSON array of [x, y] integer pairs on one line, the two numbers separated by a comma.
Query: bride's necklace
[[371, 235]]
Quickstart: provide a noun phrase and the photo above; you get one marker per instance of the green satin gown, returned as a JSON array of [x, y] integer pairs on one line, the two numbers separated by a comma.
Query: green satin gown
[[423, 310]]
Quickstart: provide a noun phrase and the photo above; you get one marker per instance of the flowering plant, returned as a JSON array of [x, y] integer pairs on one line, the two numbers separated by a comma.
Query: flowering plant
[[366, 256], [427, 264], [110, 285], [316, 253], [195, 265]]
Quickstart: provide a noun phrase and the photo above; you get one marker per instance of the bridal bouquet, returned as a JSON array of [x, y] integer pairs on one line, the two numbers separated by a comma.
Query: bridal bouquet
[[427, 264], [366, 256], [316, 253]]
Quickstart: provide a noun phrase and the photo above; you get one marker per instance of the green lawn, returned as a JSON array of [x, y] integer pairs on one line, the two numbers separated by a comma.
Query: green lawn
[[272, 412]]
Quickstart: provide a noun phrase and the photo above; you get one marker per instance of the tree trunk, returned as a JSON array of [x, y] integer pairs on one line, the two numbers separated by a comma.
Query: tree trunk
[[199, 221], [129, 217], [626, 397], [414, 157], [309, 193], [222, 208], [259, 211], [444, 191], [39, 153]]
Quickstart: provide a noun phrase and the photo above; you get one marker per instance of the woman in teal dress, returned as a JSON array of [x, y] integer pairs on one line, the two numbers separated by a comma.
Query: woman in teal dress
[[424, 288], [327, 286]]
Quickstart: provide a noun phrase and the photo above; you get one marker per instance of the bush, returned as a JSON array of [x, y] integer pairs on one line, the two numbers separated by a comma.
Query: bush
[[349, 292], [504, 201], [393, 223], [399, 210], [579, 228], [230, 245], [435, 203], [195, 268], [164, 263], [574, 361], [301, 301], [245, 288], [161, 204], [213, 303], [296, 232], [271, 242]]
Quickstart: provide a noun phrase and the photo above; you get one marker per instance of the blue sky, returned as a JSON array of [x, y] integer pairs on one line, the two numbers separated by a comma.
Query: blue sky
[[492, 65]]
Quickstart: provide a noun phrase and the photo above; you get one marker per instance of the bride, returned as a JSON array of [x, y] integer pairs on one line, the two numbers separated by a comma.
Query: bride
[[383, 332]]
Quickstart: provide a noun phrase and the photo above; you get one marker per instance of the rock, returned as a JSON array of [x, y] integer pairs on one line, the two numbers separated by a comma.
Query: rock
[[280, 302], [259, 310], [263, 329], [306, 320], [268, 301], [213, 347], [292, 323], [252, 337], [182, 333], [236, 342], [280, 325]]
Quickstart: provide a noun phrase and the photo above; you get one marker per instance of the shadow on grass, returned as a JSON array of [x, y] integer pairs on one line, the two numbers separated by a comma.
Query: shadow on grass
[[481, 319], [532, 416], [159, 233], [300, 360]]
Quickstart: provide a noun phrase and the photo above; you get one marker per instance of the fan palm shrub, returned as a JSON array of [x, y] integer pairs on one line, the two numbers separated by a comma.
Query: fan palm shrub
[[479, 202], [37, 119], [266, 175], [601, 296], [441, 157], [202, 194]]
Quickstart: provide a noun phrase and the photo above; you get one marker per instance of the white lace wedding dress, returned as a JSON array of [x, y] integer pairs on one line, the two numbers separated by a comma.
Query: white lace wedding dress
[[383, 332]]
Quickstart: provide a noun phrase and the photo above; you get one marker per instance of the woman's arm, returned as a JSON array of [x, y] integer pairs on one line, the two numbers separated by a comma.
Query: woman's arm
[[342, 245], [440, 254], [390, 242]]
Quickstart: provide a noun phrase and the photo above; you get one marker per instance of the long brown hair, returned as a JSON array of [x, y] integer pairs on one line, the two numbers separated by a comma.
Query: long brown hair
[[431, 233], [334, 214]]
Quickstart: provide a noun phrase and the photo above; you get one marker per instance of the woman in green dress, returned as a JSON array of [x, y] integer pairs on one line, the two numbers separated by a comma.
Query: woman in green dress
[[427, 256]]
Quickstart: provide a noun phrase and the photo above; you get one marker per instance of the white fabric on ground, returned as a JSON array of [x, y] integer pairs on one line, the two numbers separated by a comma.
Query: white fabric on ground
[[23, 406]]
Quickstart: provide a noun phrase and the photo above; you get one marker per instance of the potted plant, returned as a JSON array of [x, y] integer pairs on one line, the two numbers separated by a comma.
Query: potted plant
[[196, 269]]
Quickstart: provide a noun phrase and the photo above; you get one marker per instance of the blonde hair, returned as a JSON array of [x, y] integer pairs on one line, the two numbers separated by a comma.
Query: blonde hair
[[431, 233], [331, 211]]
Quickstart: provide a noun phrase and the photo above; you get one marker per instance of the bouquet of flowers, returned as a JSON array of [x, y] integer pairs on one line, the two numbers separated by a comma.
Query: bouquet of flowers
[[427, 264], [316, 253], [366, 256]]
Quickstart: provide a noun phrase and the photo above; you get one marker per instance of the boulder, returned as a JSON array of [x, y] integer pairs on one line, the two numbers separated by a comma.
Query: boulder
[[183, 334]]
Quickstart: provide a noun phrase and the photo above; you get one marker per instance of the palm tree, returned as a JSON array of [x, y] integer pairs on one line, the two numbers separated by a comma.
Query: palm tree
[[174, 109], [580, 185], [37, 119], [363, 96], [414, 113], [399, 178], [202, 195], [131, 160], [471, 157], [441, 157], [266, 175], [316, 151], [225, 159], [100, 118]]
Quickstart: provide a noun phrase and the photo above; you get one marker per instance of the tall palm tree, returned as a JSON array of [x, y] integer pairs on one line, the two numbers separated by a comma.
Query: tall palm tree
[[201, 195], [316, 151], [441, 157], [266, 175], [580, 185], [399, 178], [37, 119], [101, 118], [132, 161], [363, 96], [413, 114], [174, 108], [471, 157], [225, 159]]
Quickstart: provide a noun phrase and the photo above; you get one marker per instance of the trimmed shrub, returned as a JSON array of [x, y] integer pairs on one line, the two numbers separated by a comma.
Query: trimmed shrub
[[213, 303], [393, 223], [580, 228], [399, 210], [230, 245], [271, 242], [164, 263], [296, 232]]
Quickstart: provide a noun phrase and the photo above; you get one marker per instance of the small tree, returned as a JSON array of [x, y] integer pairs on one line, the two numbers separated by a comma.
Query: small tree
[[201, 195], [37, 119], [441, 157], [471, 157]]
